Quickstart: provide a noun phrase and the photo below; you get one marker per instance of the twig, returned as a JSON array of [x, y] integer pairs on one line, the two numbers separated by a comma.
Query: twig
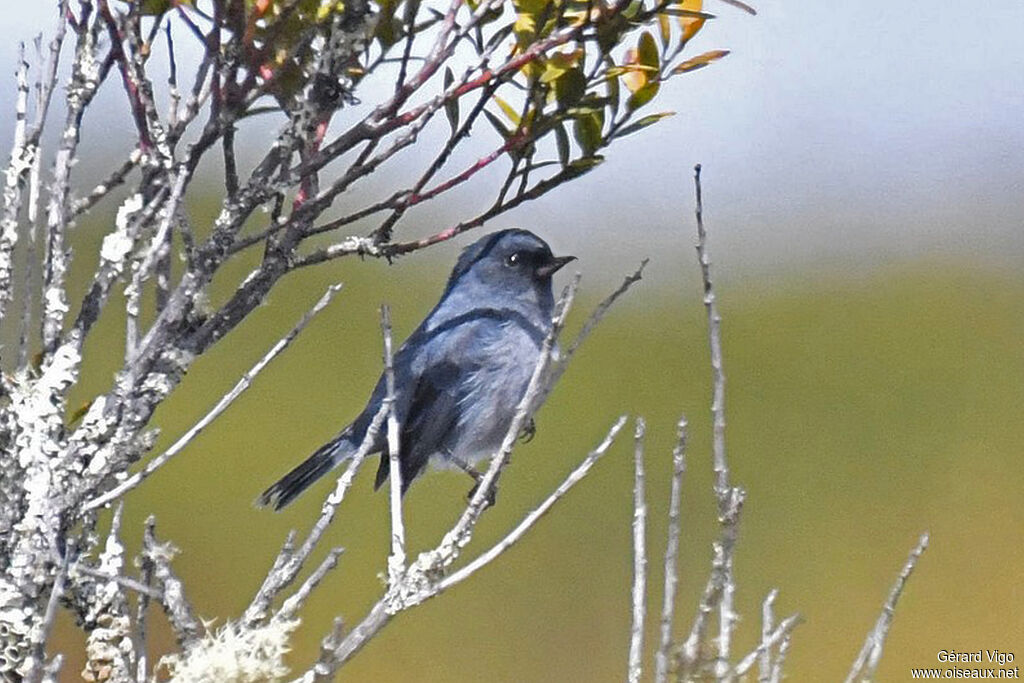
[[661, 658], [288, 563], [730, 499], [116, 178], [217, 409], [396, 561], [721, 468], [157, 252], [16, 173], [602, 309], [517, 533], [636, 642], [558, 368], [767, 642], [780, 659], [177, 608], [867, 660], [379, 615], [146, 569], [767, 625], [125, 581], [36, 665], [294, 603]]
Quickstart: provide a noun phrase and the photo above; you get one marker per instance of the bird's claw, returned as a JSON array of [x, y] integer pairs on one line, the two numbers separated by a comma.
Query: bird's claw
[[529, 431], [492, 495]]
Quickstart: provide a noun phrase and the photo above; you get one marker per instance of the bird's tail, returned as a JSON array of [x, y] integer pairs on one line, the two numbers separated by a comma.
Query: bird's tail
[[302, 477]]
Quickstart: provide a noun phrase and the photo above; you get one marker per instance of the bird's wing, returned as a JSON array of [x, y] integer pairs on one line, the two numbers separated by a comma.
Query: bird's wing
[[431, 413], [438, 373]]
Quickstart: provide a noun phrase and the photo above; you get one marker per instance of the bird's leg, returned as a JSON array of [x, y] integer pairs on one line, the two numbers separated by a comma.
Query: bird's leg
[[478, 477], [529, 431]]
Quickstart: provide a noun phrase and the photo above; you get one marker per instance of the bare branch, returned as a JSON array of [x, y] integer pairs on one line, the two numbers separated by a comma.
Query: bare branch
[[17, 170], [520, 530], [730, 498], [244, 383], [780, 659], [157, 252], [768, 641], [35, 665], [661, 659], [289, 610], [289, 563], [179, 612], [764, 664], [396, 561], [867, 660], [636, 643]]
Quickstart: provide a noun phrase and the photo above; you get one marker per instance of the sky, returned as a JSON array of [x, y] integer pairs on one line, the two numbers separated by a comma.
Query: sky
[[834, 136]]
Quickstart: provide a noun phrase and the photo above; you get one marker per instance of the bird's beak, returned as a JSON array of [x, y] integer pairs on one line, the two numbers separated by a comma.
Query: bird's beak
[[554, 265]]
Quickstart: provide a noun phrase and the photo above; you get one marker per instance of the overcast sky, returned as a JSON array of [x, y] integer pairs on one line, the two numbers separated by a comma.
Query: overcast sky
[[835, 133]]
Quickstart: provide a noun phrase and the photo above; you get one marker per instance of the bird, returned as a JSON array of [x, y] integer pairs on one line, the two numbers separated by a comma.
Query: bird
[[461, 374]]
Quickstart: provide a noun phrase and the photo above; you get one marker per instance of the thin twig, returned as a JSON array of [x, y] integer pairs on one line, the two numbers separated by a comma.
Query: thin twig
[[867, 660], [721, 468], [176, 606], [520, 530], [783, 630], [294, 603], [730, 499], [636, 641], [558, 369], [156, 253], [125, 581], [41, 635], [780, 659], [396, 561], [764, 671], [661, 659], [288, 563], [221, 405]]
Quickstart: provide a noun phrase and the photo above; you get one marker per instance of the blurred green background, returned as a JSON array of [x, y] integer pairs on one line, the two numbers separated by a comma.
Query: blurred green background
[[861, 412]]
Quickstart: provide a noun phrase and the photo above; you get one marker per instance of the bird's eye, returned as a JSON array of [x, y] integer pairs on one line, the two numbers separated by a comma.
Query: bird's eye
[[512, 260]]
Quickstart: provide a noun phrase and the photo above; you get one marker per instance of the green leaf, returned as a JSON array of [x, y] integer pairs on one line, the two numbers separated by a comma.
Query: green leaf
[[664, 29], [451, 107], [498, 125], [510, 113], [643, 95], [570, 88], [610, 32], [499, 35], [562, 140], [700, 61], [643, 123], [633, 9], [580, 166], [587, 130], [647, 51]]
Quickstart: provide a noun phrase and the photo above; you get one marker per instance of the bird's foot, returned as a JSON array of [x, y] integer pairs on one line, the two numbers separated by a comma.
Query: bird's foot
[[529, 431], [492, 495]]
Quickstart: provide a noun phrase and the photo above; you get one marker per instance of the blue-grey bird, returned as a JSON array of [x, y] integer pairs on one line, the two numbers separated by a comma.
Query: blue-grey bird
[[460, 376]]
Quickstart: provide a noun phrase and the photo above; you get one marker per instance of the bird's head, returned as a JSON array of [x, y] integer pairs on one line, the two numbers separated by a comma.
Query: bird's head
[[511, 263]]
